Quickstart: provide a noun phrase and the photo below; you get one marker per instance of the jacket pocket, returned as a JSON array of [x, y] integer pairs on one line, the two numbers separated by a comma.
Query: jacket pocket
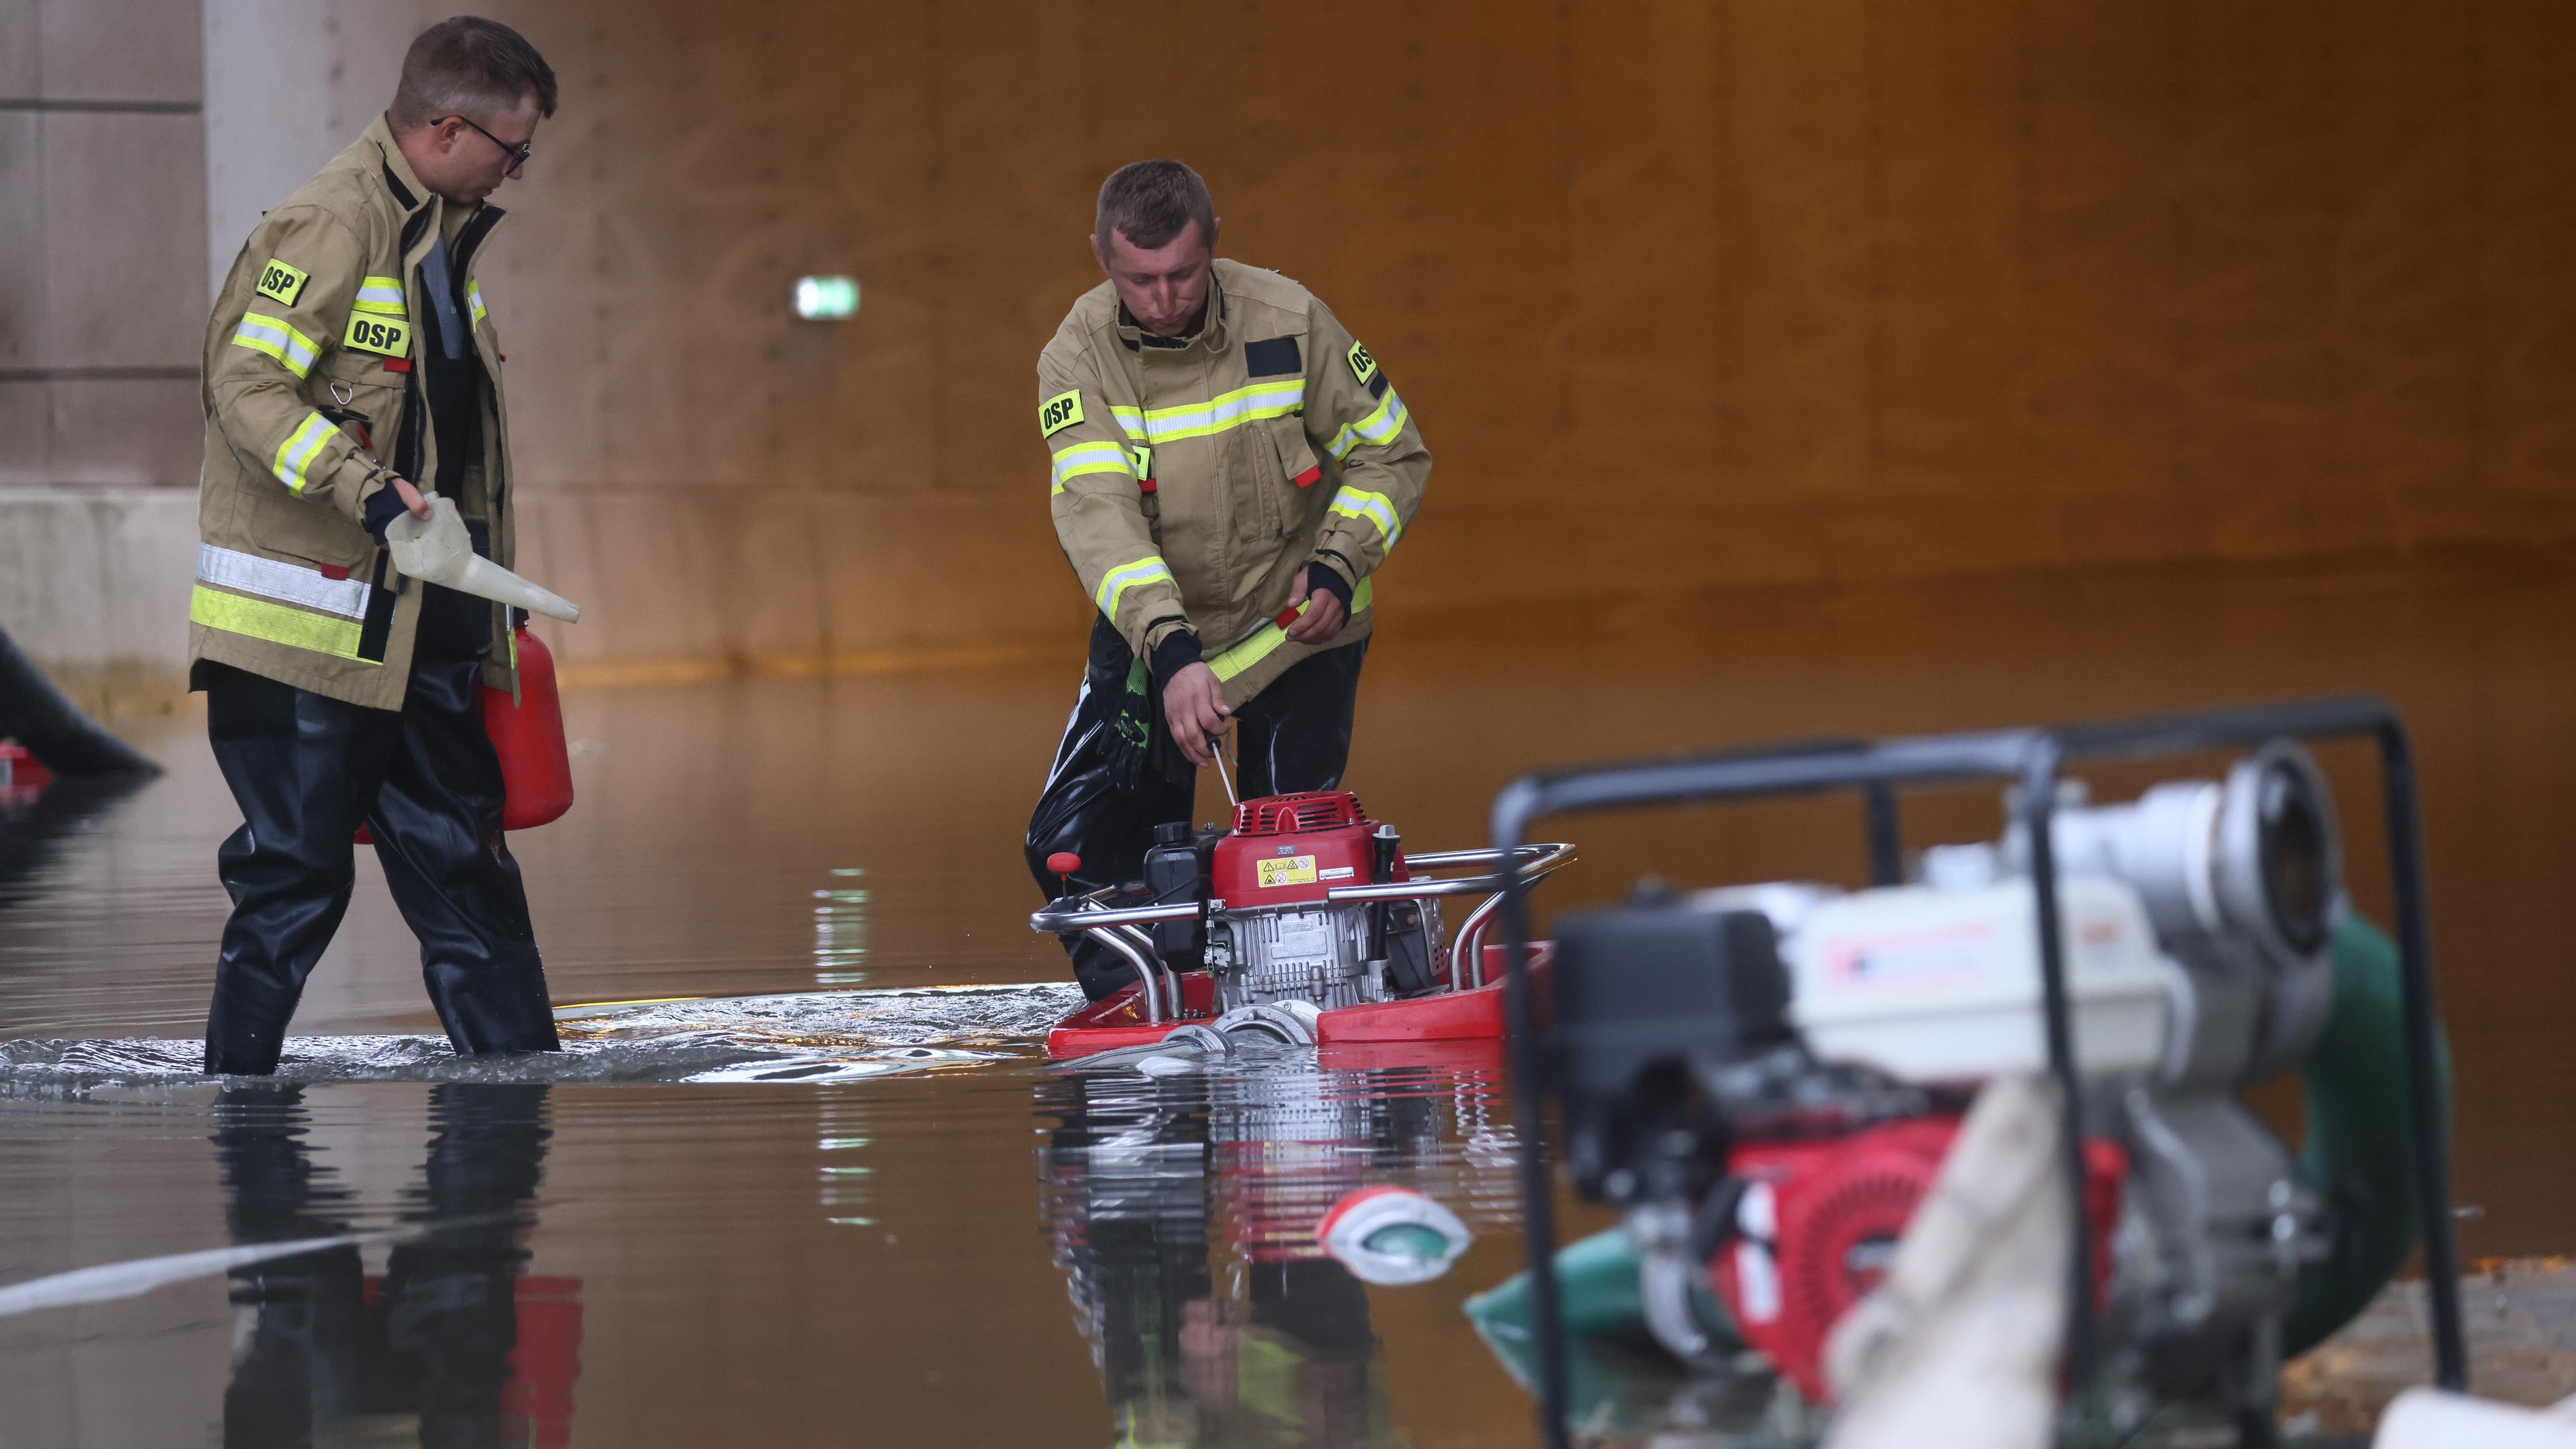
[[1297, 483], [298, 529]]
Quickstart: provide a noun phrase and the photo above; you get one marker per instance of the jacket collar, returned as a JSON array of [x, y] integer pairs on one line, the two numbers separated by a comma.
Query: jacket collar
[[400, 179], [1213, 332]]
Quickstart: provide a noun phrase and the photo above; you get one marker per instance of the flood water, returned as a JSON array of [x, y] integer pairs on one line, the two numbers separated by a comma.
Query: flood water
[[849, 1203]]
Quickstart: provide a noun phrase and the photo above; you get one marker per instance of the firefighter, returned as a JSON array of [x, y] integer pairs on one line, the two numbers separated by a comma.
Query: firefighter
[[350, 366], [1228, 467]]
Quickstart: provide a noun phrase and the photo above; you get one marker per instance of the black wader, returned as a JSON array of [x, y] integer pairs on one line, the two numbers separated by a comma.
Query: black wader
[[306, 769]]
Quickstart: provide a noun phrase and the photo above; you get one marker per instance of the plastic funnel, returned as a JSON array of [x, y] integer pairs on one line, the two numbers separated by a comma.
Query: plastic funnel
[[437, 550]]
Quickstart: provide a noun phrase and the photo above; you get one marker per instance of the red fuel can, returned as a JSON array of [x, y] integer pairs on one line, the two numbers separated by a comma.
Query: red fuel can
[[536, 765]]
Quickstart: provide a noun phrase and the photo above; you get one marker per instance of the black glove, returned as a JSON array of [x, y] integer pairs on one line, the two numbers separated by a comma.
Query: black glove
[[1324, 575], [383, 507]]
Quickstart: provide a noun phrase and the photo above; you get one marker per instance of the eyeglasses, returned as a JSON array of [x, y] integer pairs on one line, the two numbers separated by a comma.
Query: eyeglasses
[[518, 154]]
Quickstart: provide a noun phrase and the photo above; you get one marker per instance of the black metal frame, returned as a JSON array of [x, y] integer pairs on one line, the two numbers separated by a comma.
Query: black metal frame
[[2032, 758]]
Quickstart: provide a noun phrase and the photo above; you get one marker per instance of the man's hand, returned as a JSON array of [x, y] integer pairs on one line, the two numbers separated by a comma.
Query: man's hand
[[1323, 617], [1194, 706], [411, 499]]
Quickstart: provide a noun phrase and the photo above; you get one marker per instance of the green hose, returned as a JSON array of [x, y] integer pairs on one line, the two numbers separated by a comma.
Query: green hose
[[2357, 1157], [2359, 1152], [1618, 1379]]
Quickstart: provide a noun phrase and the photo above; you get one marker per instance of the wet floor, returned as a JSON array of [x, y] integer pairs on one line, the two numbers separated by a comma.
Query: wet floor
[[852, 1205]]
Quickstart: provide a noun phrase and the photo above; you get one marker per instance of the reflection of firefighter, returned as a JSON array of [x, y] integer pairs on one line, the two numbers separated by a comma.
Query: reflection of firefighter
[[1270, 1345], [452, 1334]]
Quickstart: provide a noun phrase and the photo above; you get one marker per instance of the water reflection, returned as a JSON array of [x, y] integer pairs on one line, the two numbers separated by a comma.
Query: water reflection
[[36, 821], [451, 1336], [1183, 1211]]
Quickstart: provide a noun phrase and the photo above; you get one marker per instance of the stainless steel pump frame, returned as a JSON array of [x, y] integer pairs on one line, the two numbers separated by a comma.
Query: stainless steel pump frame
[[1117, 926]]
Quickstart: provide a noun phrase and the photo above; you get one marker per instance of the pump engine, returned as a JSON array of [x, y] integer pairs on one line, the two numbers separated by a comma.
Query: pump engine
[[1268, 934], [1766, 1078]]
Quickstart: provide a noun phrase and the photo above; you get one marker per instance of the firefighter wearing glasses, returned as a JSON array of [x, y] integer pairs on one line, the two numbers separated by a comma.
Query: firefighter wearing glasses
[[351, 364], [1228, 469]]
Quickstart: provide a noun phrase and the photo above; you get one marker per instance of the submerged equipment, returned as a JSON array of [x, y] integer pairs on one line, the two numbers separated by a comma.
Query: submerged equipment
[[1392, 1235]]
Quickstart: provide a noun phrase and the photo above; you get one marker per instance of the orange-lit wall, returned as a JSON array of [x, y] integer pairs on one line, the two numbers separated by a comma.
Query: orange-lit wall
[[1685, 295]]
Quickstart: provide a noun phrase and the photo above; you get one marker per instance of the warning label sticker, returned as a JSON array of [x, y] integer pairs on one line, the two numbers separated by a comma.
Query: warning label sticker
[[1294, 870]]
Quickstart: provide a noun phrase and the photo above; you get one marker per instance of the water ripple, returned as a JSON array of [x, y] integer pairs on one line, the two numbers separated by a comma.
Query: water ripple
[[823, 1036]]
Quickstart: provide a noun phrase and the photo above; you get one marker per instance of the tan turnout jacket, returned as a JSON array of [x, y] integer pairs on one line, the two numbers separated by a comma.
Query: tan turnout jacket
[[1193, 484], [314, 383]]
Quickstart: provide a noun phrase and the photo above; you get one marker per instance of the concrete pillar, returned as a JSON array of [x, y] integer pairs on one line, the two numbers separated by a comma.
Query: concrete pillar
[[288, 83], [102, 314]]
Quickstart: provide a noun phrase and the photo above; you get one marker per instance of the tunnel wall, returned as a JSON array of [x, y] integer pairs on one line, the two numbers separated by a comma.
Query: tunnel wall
[[1685, 296], [102, 305]]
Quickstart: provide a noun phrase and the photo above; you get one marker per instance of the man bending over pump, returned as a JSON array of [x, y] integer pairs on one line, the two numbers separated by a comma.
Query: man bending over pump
[[1229, 467]]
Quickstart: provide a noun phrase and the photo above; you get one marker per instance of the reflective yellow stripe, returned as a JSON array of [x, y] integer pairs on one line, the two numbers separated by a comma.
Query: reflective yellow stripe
[[296, 453], [514, 648], [1256, 646], [276, 623], [474, 299], [1217, 415], [380, 294], [1127, 576], [271, 335], [1377, 508], [1082, 458], [1377, 429]]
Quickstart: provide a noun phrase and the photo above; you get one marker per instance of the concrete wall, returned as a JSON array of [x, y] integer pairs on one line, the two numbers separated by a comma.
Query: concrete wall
[[102, 304], [1685, 295]]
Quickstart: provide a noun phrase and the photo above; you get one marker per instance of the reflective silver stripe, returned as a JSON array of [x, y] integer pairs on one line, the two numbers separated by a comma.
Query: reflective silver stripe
[[1115, 584], [380, 294], [298, 451], [1377, 508], [248, 573], [1086, 458], [292, 349]]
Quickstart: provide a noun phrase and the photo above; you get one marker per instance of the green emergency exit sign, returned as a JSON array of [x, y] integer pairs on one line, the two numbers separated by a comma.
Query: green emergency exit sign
[[826, 299]]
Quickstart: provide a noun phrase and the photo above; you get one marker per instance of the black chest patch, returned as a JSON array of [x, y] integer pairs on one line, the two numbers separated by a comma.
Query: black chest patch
[[1272, 356]]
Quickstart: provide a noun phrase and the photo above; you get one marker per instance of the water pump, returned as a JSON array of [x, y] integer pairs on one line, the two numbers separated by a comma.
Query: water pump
[[1275, 935], [1766, 1079], [1306, 921]]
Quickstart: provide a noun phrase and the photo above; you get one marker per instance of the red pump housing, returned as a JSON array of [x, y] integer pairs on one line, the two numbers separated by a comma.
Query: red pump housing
[[1288, 850], [1818, 1226]]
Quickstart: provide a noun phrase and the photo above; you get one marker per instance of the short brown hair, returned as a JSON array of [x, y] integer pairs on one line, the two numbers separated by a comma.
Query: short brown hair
[[1150, 201], [467, 63]]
